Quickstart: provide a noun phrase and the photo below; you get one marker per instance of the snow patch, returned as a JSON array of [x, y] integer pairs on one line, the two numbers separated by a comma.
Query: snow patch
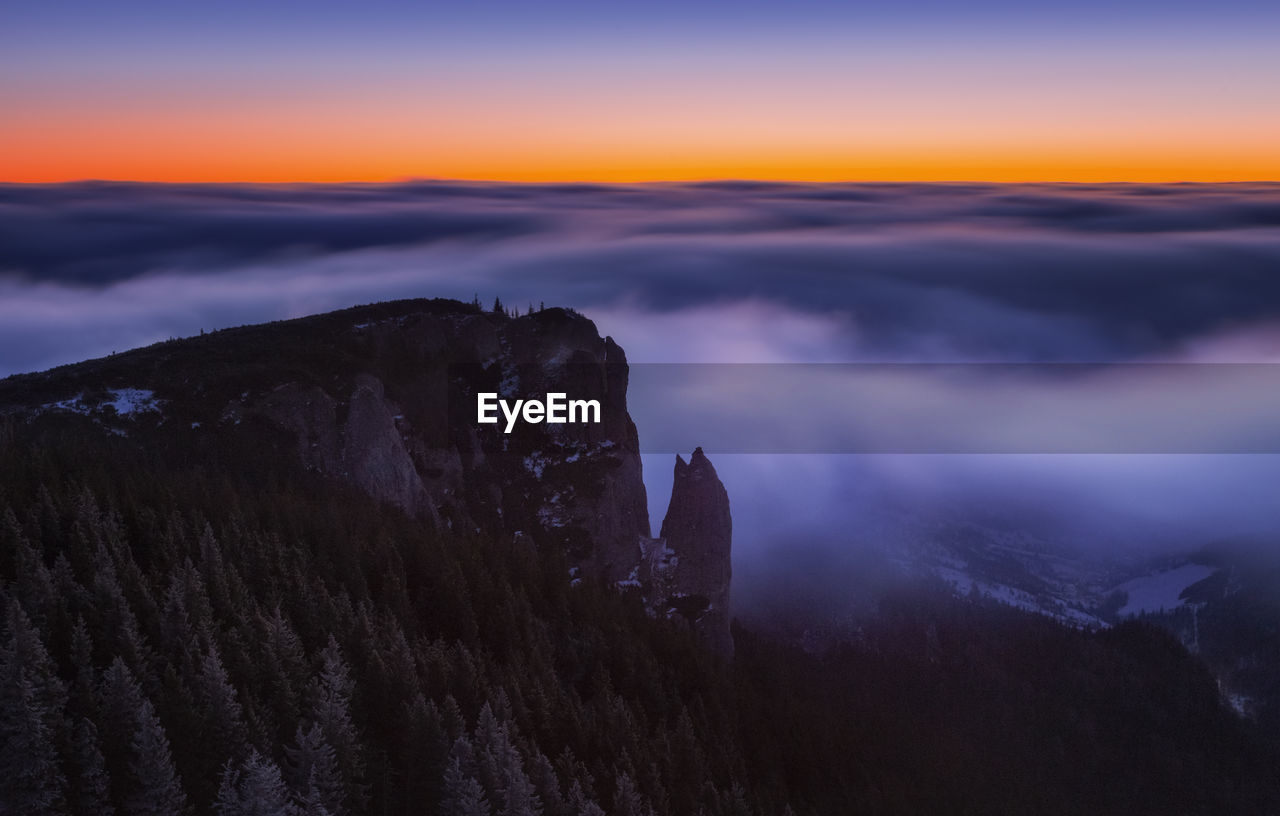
[[536, 463], [510, 384], [1159, 592], [74, 404], [129, 401], [964, 584], [125, 401], [551, 514], [660, 558], [1240, 704]]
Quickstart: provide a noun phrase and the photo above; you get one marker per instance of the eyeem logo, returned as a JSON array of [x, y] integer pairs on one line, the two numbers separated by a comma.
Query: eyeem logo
[[555, 410]]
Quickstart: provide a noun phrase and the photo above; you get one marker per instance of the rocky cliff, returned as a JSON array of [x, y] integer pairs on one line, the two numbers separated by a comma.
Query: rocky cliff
[[403, 428], [690, 561], [383, 398]]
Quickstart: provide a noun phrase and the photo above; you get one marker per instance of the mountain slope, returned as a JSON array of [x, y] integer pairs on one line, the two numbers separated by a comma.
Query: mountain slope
[[203, 616]]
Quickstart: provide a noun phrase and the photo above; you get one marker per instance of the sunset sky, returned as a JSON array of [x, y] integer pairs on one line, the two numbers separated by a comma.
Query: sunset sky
[[237, 91]]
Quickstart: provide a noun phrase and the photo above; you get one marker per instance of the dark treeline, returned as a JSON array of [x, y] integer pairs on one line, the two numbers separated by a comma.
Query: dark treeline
[[1232, 619], [206, 631]]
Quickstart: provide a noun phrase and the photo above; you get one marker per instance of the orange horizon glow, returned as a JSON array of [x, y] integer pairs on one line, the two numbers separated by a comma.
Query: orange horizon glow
[[672, 178], [952, 119], [995, 166], [664, 92], [209, 150]]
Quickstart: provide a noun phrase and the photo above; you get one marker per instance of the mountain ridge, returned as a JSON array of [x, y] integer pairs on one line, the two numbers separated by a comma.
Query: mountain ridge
[[381, 396], [205, 619]]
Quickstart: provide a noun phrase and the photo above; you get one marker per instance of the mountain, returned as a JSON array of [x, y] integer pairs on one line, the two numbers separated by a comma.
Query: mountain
[[383, 397], [282, 569]]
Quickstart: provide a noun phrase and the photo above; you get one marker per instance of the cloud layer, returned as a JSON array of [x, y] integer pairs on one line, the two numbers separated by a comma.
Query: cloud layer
[[730, 272], [883, 271]]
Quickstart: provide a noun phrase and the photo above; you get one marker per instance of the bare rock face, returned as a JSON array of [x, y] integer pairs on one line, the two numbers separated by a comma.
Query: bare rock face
[[365, 448], [397, 420], [383, 397], [690, 561], [402, 428], [374, 455]]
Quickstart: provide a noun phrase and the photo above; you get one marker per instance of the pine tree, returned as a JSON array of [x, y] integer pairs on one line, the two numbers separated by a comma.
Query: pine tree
[[117, 625], [91, 788], [547, 785], [627, 800], [222, 717], [32, 721], [580, 804], [424, 753], [331, 693], [284, 665], [500, 768], [687, 765], [463, 793], [157, 791], [25, 653], [177, 635], [486, 743], [119, 701], [34, 585], [227, 802], [11, 537], [31, 781], [254, 789], [519, 797], [311, 769], [455, 725], [471, 801], [81, 698]]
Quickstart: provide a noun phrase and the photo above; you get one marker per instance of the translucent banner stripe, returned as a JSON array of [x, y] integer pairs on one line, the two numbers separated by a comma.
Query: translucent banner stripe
[[929, 407]]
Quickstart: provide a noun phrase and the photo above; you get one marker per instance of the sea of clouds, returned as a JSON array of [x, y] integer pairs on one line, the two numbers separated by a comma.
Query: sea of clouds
[[731, 273]]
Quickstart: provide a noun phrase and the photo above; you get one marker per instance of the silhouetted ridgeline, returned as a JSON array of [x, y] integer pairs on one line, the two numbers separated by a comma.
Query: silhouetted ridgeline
[[263, 571]]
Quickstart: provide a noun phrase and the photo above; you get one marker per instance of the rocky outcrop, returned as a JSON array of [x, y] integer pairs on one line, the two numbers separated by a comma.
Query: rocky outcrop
[[400, 424], [406, 433], [383, 397], [374, 455], [689, 564], [365, 447]]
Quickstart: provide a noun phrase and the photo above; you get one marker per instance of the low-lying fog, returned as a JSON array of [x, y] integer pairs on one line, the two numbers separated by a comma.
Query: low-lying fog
[[1115, 461]]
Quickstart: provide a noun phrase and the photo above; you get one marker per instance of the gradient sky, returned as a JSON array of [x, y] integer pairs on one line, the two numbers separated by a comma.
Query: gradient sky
[[327, 91]]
